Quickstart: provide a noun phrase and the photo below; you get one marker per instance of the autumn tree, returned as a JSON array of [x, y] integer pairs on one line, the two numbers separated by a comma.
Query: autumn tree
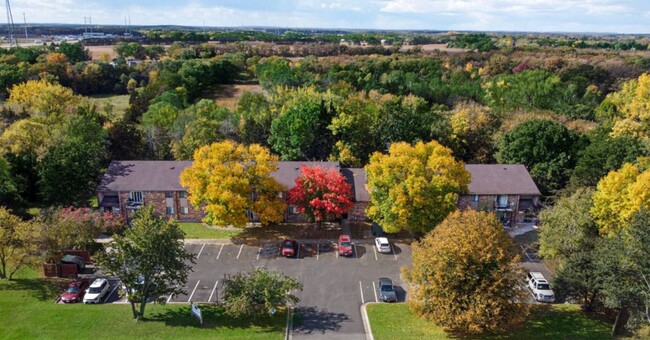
[[621, 194], [414, 187], [18, 243], [43, 98], [229, 180], [321, 192], [149, 260], [466, 276], [632, 105]]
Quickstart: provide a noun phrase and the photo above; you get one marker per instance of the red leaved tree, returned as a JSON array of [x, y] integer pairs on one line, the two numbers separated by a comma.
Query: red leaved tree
[[321, 192]]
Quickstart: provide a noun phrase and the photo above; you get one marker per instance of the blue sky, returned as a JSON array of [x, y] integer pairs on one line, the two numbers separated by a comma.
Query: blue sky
[[620, 16]]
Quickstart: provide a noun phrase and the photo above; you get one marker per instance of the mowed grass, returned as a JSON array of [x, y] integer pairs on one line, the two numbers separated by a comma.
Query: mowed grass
[[28, 311], [202, 231], [118, 104], [396, 321]]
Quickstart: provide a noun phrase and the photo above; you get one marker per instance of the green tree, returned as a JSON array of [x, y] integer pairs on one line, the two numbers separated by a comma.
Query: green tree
[[255, 118], [466, 275], [149, 260], [229, 180], [75, 52], [414, 187], [18, 243], [548, 149], [258, 292], [529, 89]]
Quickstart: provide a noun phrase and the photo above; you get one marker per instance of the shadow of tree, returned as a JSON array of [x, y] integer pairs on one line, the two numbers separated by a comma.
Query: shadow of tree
[[41, 289], [396, 249], [215, 316], [310, 320]]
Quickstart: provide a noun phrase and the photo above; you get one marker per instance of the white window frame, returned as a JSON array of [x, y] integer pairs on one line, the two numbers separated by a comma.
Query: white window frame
[[185, 210], [136, 196], [475, 198], [169, 210]]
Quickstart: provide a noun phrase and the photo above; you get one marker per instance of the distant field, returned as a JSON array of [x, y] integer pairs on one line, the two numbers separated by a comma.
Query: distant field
[[433, 47], [119, 104], [96, 51], [228, 95]]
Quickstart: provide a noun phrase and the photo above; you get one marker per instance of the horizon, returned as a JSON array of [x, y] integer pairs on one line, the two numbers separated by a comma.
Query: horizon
[[551, 16]]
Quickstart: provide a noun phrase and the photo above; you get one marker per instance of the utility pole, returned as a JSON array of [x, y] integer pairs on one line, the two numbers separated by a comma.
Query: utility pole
[[10, 24], [25, 21]]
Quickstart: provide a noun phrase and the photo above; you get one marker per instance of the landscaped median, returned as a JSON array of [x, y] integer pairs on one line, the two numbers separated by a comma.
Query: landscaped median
[[28, 311], [203, 231], [559, 321]]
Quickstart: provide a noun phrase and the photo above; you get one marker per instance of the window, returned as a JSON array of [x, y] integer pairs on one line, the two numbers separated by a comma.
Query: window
[[182, 194], [185, 210], [169, 194], [502, 200], [170, 210], [135, 196], [293, 210], [474, 198]]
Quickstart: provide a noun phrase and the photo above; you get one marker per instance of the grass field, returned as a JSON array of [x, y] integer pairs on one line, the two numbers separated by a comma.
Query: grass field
[[28, 311], [118, 103], [396, 321], [202, 231]]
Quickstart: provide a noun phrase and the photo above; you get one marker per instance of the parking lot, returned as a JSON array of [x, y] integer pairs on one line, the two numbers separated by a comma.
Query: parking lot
[[334, 287]]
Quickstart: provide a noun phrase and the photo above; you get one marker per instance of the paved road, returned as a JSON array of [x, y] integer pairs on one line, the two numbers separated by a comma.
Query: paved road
[[334, 287]]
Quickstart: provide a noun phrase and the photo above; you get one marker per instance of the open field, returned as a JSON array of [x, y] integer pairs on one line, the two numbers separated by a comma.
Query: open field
[[396, 321], [119, 104], [28, 311], [229, 95], [96, 51]]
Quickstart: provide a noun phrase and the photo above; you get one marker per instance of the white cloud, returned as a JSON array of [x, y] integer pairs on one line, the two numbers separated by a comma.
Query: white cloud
[[507, 6]]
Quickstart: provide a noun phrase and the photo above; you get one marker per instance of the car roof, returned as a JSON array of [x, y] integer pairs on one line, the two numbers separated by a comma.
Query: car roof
[[385, 280], [382, 239], [344, 237], [98, 282], [537, 275]]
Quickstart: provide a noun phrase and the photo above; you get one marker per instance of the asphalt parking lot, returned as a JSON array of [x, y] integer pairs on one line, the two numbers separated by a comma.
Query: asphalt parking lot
[[334, 288]]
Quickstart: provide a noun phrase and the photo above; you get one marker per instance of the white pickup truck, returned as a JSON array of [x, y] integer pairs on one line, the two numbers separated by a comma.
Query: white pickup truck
[[540, 287]]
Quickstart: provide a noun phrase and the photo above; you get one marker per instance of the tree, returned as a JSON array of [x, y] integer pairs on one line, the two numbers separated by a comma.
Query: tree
[[466, 276], [149, 259], [621, 194], [528, 89], [632, 103], [258, 292], [44, 98], [229, 180], [321, 192], [548, 149], [75, 52], [414, 187], [18, 243]]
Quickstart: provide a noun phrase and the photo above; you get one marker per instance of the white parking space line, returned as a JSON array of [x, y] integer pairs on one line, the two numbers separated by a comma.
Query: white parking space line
[[170, 296], [112, 291], [355, 250], [394, 252], [240, 248], [375, 249], [525, 252], [259, 251], [200, 251], [361, 289], [213, 290], [374, 289], [317, 250], [220, 251], [195, 286]]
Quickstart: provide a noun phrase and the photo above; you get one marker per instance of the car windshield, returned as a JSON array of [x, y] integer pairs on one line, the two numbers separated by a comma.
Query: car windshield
[[288, 245], [345, 244], [543, 286], [384, 244], [94, 290], [72, 289], [386, 288]]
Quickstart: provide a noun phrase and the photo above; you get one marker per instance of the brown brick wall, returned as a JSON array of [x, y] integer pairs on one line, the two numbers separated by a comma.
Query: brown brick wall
[[358, 211]]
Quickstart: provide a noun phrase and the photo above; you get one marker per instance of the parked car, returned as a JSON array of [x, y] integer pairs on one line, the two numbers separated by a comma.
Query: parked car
[[382, 244], [98, 289], [75, 291], [288, 248], [74, 259], [345, 246], [386, 290], [540, 287]]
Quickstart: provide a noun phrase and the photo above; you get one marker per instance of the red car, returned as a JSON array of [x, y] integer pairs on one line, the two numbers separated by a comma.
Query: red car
[[75, 292], [288, 248], [345, 245]]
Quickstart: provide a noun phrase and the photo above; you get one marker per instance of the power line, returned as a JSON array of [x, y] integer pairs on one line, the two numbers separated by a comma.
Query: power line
[[10, 24]]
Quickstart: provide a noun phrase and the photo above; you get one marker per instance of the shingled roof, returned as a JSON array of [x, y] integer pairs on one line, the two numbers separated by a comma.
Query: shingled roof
[[500, 179], [357, 178]]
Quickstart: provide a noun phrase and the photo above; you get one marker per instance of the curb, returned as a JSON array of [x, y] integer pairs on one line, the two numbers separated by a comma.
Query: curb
[[289, 329], [366, 323]]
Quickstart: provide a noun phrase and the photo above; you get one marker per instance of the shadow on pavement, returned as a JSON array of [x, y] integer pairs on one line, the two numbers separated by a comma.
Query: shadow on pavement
[[361, 251], [311, 320]]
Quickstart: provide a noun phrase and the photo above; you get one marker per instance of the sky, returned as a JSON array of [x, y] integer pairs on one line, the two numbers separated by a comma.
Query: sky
[[615, 16]]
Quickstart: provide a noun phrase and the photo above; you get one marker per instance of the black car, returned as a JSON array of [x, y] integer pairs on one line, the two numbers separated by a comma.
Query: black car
[[386, 290], [78, 260]]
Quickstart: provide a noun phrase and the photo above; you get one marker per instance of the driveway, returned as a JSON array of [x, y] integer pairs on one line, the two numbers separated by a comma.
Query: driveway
[[334, 288]]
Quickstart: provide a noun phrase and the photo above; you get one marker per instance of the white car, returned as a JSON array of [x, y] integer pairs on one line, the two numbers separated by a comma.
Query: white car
[[540, 287], [382, 244], [96, 292]]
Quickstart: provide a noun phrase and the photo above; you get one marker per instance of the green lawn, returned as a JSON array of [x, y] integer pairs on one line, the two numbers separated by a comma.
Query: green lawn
[[396, 321], [28, 311], [202, 231], [117, 103]]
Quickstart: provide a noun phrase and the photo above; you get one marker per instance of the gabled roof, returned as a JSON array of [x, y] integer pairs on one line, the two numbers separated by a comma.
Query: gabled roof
[[500, 179], [164, 175]]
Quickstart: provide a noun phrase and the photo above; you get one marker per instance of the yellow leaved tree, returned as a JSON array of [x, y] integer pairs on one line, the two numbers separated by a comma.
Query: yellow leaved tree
[[620, 195], [228, 180], [414, 187], [44, 98], [465, 275], [633, 104]]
